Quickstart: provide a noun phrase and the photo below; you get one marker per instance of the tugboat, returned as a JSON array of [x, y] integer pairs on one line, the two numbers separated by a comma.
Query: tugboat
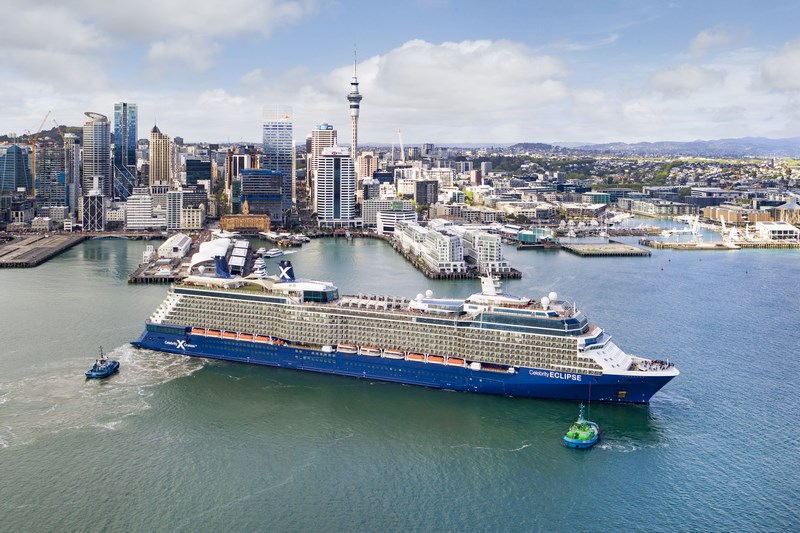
[[102, 367], [582, 433]]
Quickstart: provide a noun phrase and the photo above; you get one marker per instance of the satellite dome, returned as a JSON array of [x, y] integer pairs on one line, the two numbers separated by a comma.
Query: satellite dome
[[545, 301], [419, 297], [553, 296], [428, 293], [201, 269]]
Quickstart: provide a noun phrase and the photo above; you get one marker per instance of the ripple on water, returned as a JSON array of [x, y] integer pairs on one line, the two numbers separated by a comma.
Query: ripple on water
[[63, 399]]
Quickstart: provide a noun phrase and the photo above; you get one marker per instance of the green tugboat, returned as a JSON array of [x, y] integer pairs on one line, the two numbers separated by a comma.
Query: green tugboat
[[582, 433]]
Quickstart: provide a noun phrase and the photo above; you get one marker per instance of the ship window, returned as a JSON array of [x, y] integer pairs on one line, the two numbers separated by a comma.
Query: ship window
[[621, 395]]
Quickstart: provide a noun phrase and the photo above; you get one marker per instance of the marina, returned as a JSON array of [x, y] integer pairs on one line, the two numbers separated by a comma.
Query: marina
[[605, 249]]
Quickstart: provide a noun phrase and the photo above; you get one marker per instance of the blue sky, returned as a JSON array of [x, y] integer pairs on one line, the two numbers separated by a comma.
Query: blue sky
[[441, 71]]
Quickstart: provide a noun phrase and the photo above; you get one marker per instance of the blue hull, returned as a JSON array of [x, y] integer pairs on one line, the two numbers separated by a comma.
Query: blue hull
[[111, 369], [525, 382]]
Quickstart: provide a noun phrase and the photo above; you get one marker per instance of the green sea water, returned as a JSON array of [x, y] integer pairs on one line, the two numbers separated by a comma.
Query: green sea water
[[179, 444]]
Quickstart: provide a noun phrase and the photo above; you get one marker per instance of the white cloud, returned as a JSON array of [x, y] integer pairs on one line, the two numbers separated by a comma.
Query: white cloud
[[190, 52], [782, 70], [682, 79], [710, 40]]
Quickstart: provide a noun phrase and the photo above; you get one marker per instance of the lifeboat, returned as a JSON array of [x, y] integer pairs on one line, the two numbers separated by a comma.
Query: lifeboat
[[347, 348], [278, 342], [415, 357], [436, 359], [393, 354], [198, 331], [228, 335], [261, 338], [213, 333], [371, 351], [455, 361], [245, 336]]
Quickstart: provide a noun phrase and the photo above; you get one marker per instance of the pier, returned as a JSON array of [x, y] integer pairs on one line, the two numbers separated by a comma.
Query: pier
[[733, 245], [28, 252], [609, 249]]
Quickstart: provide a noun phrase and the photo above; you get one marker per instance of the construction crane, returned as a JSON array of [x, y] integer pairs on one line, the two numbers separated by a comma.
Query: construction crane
[[33, 138]]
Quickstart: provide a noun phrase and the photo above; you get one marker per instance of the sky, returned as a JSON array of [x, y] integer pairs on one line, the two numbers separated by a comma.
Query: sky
[[441, 71]]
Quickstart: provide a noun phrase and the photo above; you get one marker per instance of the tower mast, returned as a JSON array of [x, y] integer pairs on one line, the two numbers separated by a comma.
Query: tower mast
[[355, 103]]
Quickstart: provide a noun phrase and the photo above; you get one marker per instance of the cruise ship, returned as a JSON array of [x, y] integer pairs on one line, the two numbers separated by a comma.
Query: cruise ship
[[491, 342]]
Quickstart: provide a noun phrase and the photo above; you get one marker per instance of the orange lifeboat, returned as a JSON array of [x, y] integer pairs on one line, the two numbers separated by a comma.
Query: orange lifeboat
[[415, 357], [198, 331], [245, 336], [436, 359], [455, 361], [261, 338], [213, 333], [228, 335]]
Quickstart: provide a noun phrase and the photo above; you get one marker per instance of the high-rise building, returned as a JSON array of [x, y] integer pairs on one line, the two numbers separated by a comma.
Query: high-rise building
[[336, 189], [197, 170], [96, 154], [160, 158], [125, 138], [355, 105], [278, 148], [72, 171], [139, 211], [94, 211], [14, 171], [426, 192], [263, 191], [323, 136], [367, 164], [51, 185]]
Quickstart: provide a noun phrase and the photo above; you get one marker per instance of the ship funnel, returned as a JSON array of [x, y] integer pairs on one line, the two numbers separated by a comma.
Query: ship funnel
[[221, 266], [287, 270]]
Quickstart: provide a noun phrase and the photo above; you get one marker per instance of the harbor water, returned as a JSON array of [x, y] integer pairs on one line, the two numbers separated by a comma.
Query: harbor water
[[180, 444]]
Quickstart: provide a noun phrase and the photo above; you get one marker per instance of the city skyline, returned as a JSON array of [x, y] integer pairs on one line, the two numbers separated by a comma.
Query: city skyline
[[439, 71]]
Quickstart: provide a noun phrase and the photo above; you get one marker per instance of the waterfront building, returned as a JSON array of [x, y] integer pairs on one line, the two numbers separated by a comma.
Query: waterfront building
[[279, 153], [336, 189], [245, 224], [176, 247], [372, 206], [386, 221], [354, 98], [193, 218], [14, 171], [139, 211], [370, 189], [263, 191], [441, 252], [596, 197], [125, 139], [160, 158], [736, 214], [97, 155], [485, 251], [777, 231]]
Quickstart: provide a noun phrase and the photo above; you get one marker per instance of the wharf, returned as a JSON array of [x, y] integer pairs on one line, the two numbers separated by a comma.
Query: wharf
[[32, 251], [159, 272], [609, 249], [736, 245]]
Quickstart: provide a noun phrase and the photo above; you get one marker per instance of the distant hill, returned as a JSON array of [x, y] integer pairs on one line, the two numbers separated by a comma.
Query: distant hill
[[535, 147], [740, 147], [51, 133]]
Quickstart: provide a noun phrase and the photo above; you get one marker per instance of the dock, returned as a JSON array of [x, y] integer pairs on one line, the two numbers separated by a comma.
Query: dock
[[609, 249], [28, 252], [734, 245]]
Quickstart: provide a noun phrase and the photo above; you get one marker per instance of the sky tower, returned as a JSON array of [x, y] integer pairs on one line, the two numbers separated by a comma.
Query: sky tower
[[355, 103]]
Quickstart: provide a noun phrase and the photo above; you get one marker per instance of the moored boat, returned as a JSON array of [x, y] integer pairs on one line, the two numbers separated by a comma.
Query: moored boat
[[582, 433]]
